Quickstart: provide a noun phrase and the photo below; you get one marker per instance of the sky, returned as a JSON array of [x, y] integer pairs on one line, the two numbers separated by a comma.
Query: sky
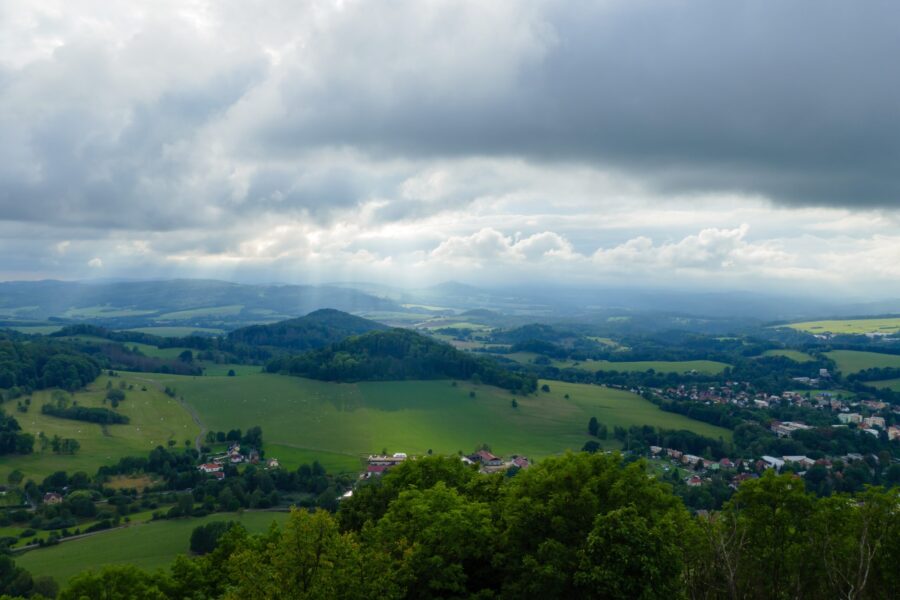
[[749, 145]]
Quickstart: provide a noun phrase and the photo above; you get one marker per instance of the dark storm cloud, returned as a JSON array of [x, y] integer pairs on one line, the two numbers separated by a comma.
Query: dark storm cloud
[[197, 122], [799, 101]]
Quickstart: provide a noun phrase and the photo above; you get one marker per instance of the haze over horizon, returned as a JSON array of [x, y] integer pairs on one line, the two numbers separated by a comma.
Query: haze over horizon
[[701, 145]]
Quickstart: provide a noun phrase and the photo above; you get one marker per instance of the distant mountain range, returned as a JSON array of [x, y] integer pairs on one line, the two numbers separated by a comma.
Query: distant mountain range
[[219, 306], [180, 302]]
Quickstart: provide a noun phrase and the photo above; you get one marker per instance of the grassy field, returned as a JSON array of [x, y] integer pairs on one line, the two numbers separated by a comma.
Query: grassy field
[[853, 361], [155, 352], [177, 331], [891, 384], [92, 312], [303, 419], [794, 355], [155, 419], [211, 311], [852, 326], [149, 546], [708, 367], [37, 329]]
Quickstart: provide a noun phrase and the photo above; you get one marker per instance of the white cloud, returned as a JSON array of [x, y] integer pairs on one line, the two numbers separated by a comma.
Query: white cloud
[[95, 263]]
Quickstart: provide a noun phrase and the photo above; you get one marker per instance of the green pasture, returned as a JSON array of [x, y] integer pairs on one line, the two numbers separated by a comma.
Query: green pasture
[[155, 419], [103, 312], [794, 355], [707, 367], [340, 422], [37, 329], [149, 546], [849, 326], [449, 323], [891, 384], [217, 370], [154, 351], [608, 342], [196, 313], [177, 331], [853, 361]]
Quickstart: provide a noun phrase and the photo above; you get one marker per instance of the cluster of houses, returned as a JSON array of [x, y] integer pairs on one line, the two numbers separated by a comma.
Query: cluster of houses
[[488, 463], [377, 464], [233, 456], [747, 469]]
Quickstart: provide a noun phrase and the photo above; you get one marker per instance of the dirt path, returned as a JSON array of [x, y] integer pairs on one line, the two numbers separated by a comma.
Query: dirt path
[[198, 441]]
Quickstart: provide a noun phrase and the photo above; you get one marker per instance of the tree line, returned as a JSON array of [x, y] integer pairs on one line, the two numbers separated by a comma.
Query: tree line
[[575, 526], [398, 354]]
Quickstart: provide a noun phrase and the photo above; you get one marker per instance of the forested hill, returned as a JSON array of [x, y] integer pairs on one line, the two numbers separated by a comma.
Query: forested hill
[[316, 330], [37, 365], [398, 354]]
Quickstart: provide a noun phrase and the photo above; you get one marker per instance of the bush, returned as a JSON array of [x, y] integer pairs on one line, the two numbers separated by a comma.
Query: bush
[[205, 538]]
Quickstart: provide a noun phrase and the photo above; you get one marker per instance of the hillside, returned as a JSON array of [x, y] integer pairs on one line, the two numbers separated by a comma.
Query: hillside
[[315, 330], [398, 354]]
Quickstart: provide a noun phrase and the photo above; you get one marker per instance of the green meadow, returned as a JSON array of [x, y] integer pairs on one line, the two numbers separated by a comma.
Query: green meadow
[[211, 311], [853, 361], [891, 384], [178, 331], [794, 355], [707, 367], [850, 326], [155, 419], [148, 545], [338, 423]]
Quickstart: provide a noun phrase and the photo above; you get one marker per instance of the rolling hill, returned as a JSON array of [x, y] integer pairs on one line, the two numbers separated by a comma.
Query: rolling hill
[[398, 354], [315, 330]]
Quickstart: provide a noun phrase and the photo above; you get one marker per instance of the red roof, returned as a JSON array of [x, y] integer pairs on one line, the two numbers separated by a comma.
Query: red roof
[[376, 468], [486, 456]]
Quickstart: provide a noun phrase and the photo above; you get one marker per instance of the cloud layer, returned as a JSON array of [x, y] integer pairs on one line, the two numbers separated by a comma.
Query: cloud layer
[[750, 143]]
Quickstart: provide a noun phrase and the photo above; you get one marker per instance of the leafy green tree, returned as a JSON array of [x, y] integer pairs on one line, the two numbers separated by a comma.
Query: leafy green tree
[[309, 558], [628, 555], [591, 446], [14, 580], [769, 547], [120, 582], [442, 542], [548, 511], [205, 538]]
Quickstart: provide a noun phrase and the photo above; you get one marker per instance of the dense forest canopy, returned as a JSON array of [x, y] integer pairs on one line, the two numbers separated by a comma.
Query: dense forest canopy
[[38, 364], [398, 354], [316, 330], [574, 526]]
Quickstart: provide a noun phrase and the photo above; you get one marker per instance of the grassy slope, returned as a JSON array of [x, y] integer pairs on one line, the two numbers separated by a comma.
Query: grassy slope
[[794, 355], [852, 361], [888, 325], [155, 419], [149, 546], [891, 384], [709, 367], [177, 331], [341, 422]]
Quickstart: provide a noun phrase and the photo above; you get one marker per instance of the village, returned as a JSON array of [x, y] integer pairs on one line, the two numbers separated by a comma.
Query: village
[[233, 456], [378, 464]]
